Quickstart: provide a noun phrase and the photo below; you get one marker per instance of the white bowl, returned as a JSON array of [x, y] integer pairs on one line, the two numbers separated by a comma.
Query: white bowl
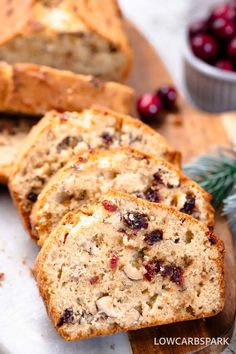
[[210, 88]]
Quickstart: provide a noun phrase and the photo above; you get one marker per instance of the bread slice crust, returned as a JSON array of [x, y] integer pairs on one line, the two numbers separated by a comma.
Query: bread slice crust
[[27, 89]]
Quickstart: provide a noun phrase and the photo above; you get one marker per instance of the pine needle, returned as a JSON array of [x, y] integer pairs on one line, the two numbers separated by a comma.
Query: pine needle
[[216, 173]]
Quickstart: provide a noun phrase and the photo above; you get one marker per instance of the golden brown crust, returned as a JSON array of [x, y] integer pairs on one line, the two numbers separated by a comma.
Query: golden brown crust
[[13, 17], [27, 88], [43, 281]]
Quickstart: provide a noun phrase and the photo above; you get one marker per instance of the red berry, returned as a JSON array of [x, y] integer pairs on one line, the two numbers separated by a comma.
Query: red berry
[[168, 96], [114, 261], [197, 27], [109, 206], [232, 49], [224, 65], [221, 11], [223, 29], [204, 47], [149, 106]]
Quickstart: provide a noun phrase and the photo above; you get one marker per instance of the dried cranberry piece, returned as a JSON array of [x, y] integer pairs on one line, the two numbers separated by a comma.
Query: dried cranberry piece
[[64, 117], [152, 195], [109, 206], [212, 239], [151, 270], [82, 159], [136, 221], [177, 275], [114, 261], [107, 138], [157, 177], [153, 237], [152, 267], [94, 280], [68, 317], [32, 197], [189, 205], [167, 270]]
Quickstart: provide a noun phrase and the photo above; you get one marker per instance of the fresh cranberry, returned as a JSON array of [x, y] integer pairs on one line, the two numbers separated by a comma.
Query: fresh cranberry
[[232, 49], [109, 206], [204, 47], [149, 106], [221, 11], [136, 221], [197, 27], [224, 65], [114, 261], [153, 237], [223, 29], [168, 96]]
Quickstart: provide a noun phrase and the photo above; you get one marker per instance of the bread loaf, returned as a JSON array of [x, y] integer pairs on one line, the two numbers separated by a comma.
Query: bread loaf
[[86, 37]]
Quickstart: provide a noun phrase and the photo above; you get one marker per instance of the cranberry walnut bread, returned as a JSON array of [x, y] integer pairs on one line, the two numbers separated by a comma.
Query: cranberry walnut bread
[[83, 36], [13, 131], [34, 89], [88, 176], [59, 136], [129, 265]]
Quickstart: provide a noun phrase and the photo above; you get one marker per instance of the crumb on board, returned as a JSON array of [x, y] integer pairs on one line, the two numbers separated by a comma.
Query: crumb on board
[[2, 277]]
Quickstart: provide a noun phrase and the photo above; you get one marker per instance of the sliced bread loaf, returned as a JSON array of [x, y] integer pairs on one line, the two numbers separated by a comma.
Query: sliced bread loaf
[[83, 36], [129, 265], [13, 131], [57, 137], [88, 176], [34, 89]]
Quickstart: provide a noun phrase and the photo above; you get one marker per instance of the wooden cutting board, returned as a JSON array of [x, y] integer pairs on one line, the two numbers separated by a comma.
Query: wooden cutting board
[[193, 133]]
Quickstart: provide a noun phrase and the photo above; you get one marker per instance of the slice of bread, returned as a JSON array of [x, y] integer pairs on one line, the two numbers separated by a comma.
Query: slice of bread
[[86, 37], [88, 176], [57, 137], [34, 89], [129, 265], [13, 132]]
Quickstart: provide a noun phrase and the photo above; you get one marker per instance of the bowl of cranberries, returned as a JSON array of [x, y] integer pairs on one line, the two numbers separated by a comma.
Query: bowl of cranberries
[[210, 58]]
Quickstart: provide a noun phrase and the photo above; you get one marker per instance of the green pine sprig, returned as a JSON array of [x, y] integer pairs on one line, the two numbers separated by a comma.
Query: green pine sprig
[[216, 173]]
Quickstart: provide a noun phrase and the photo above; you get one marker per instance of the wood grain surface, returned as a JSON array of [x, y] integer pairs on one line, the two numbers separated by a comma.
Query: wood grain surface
[[193, 133]]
